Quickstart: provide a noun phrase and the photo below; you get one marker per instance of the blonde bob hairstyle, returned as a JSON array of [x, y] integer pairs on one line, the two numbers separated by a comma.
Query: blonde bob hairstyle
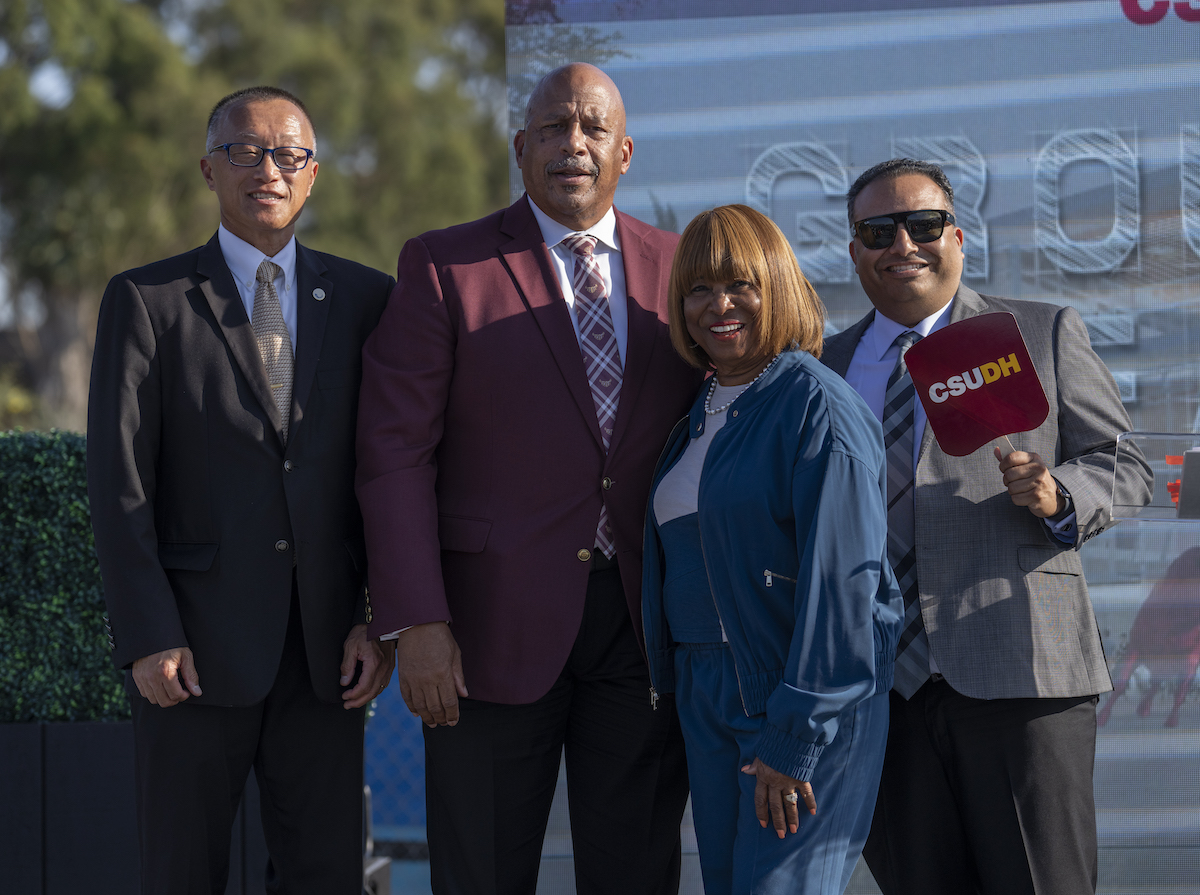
[[735, 242]]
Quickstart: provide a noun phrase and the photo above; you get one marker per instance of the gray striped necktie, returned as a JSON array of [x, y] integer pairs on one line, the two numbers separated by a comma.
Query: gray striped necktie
[[899, 411], [274, 342]]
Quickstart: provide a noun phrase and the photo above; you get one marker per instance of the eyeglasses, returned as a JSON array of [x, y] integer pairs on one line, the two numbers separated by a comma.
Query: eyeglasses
[[247, 155], [923, 226]]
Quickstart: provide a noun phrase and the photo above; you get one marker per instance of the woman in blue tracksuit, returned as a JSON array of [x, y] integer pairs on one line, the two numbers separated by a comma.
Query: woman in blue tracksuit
[[769, 606]]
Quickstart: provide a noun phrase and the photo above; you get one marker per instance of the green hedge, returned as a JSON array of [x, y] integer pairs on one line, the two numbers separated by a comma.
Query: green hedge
[[54, 658]]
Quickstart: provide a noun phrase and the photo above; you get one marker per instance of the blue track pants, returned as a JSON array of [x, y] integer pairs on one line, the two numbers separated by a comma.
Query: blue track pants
[[736, 854]]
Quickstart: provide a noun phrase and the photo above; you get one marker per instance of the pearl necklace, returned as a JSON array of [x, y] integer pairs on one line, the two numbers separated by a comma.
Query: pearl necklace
[[712, 387]]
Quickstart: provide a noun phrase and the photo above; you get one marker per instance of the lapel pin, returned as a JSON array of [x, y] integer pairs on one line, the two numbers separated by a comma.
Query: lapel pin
[[319, 294]]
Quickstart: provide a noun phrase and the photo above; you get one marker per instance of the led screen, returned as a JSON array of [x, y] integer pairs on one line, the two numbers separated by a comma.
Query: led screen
[[1071, 132]]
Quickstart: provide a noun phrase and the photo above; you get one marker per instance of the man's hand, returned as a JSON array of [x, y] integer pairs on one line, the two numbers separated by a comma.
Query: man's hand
[[770, 788], [161, 677], [430, 673], [378, 660], [1030, 484]]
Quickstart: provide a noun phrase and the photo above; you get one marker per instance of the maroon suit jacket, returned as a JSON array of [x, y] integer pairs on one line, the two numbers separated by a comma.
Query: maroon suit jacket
[[480, 467]]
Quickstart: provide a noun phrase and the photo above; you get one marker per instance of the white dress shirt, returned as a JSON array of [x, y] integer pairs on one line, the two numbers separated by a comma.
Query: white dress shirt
[[608, 256], [875, 359], [243, 260]]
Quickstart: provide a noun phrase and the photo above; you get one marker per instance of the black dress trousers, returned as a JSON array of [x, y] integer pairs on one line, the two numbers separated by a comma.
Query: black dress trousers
[[192, 762], [986, 796], [490, 779]]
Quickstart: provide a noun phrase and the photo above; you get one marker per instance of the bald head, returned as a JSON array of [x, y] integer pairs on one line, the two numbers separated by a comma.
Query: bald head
[[573, 148], [579, 73]]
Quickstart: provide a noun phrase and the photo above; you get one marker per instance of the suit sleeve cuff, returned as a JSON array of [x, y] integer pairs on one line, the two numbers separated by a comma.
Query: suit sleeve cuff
[[394, 635]]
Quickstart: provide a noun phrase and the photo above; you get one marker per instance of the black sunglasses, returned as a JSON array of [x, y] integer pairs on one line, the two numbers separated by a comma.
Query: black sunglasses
[[923, 226]]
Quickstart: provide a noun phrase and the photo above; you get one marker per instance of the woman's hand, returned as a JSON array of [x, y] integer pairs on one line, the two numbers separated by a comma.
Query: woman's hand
[[770, 797]]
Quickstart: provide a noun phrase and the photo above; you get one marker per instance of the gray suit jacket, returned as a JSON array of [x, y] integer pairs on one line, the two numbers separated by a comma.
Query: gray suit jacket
[[1005, 603]]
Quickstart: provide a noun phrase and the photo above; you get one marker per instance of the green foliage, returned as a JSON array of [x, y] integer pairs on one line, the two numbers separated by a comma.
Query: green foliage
[[111, 180], [17, 406], [398, 90], [406, 98], [399, 93], [54, 657]]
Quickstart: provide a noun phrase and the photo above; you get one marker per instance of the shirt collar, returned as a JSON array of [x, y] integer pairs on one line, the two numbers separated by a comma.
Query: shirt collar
[[243, 259], [605, 229], [884, 330]]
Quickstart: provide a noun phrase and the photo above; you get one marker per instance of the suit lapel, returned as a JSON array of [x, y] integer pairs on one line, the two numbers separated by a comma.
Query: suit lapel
[[839, 351], [528, 263], [642, 280], [311, 315], [967, 303], [226, 303]]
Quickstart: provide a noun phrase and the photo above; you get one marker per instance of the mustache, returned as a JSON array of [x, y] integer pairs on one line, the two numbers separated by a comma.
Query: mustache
[[573, 166]]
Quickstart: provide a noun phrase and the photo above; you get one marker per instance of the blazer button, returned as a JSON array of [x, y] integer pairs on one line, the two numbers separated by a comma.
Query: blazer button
[[281, 546], [607, 483], [287, 466], [584, 555]]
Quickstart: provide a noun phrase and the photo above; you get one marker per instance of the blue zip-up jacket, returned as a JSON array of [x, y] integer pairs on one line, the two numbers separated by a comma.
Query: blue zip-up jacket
[[793, 527]]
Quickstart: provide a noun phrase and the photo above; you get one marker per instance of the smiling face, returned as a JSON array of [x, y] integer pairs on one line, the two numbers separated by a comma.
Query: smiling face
[[907, 281], [723, 319], [573, 149], [261, 204]]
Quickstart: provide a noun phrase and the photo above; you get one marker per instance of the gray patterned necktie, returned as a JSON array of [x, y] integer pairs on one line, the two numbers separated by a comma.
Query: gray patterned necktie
[[899, 413], [274, 342], [598, 341]]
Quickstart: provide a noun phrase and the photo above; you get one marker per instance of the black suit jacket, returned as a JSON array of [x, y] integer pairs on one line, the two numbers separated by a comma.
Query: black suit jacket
[[199, 510]]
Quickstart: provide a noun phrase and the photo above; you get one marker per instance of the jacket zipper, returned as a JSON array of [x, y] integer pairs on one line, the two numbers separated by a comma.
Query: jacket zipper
[[770, 576], [649, 509], [732, 652], [712, 592]]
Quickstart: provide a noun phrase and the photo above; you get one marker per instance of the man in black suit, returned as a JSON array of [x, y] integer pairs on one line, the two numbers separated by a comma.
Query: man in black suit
[[220, 473]]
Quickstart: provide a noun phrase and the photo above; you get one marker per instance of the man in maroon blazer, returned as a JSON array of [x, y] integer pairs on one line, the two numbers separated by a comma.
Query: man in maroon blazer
[[503, 474]]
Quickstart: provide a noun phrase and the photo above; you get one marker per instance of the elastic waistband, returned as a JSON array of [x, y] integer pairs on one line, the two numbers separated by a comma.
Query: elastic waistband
[[698, 647]]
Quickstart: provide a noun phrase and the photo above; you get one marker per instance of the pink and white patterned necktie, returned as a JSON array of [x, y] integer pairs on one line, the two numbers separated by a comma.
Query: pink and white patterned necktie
[[598, 341]]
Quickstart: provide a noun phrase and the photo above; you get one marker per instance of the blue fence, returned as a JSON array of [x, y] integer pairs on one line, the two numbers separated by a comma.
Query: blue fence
[[395, 769]]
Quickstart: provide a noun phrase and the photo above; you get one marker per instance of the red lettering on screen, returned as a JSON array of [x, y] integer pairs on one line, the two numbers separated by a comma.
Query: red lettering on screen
[[1187, 11], [1139, 14], [1136, 13]]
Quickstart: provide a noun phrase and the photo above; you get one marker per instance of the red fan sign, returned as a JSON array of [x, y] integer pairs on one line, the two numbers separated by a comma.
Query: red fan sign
[[977, 382]]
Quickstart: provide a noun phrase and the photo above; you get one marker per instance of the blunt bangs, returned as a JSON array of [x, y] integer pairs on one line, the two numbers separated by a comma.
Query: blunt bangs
[[735, 242]]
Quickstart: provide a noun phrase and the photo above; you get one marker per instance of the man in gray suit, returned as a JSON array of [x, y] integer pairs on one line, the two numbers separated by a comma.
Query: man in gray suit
[[987, 782]]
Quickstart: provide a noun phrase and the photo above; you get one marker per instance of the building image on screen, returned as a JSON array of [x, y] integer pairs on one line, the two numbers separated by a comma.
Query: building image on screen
[[1071, 134]]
